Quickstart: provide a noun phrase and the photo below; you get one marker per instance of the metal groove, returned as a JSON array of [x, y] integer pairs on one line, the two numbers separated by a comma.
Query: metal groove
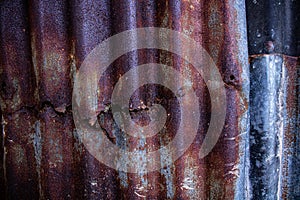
[[274, 130], [273, 127]]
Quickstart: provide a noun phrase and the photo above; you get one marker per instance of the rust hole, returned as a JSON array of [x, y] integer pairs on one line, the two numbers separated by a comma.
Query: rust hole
[[232, 77]]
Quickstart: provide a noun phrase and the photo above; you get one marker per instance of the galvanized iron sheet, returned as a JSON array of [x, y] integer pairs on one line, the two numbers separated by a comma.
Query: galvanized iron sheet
[[273, 36], [273, 26], [273, 127]]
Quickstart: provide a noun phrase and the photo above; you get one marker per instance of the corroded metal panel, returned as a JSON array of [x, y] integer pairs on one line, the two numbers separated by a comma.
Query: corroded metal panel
[[21, 176], [17, 73], [44, 44], [189, 176], [50, 49], [54, 38], [291, 148]]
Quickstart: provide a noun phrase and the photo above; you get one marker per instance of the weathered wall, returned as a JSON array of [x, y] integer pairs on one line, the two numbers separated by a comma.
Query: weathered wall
[[43, 44]]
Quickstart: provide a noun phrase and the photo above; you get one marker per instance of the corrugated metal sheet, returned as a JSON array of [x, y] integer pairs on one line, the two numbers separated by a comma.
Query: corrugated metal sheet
[[44, 43], [274, 132], [273, 26], [274, 95]]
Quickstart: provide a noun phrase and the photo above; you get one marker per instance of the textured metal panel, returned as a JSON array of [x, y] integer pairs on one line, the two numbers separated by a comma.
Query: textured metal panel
[[189, 177], [91, 25], [17, 96], [20, 163], [291, 148], [44, 44], [273, 26], [50, 48], [274, 127], [273, 132], [296, 162], [17, 73]]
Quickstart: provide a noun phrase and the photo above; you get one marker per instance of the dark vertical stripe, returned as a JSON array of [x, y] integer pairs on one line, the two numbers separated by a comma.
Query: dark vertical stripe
[[50, 52], [2, 161], [272, 26], [267, 110], [272, 29], [17, 79], [20, 161], [17, 82], [91, 24], [57, 169], [274, 129]]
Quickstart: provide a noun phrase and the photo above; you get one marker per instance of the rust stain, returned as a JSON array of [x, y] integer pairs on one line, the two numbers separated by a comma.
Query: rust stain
[[289, 175], [20, 170], [17, 79], [50, 46]]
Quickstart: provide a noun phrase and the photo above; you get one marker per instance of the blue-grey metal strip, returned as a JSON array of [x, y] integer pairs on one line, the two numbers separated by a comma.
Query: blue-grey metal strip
[[273, 130]]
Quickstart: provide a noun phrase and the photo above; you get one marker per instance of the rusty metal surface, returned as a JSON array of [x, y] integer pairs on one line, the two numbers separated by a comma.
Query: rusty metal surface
[[17, 73], [50, 49], [44, 44], [189, 177], [20, 163], [291, 148], [297, 143]]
